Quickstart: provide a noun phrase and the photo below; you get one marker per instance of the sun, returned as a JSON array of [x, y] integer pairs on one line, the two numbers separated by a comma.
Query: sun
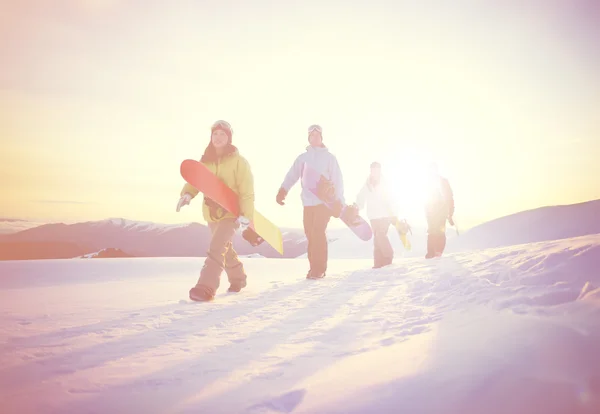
[[405, 174]]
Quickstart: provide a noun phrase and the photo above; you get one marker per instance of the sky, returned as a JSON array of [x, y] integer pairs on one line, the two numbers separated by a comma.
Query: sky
[[101, 100]]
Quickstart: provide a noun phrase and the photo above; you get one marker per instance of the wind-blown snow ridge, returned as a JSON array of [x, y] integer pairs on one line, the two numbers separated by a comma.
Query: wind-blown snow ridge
[[498, 331]]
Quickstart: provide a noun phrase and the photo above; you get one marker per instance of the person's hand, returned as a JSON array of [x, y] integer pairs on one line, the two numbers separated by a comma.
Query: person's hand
[[281, 196], [243, 224], [451, 221], [184, 200]]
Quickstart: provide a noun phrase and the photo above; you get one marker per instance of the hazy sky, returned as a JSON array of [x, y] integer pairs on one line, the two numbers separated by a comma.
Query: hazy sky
[[100, 101]]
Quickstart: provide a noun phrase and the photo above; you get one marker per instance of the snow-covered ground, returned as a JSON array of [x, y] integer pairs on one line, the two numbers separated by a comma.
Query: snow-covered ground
[[495, 331]]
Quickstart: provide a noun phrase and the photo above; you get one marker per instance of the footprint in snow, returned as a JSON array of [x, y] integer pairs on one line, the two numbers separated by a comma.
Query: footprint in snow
[[285, 403], [387, 341]]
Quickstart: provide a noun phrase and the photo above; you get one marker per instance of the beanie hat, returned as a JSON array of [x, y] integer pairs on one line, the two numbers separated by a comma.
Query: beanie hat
[[223, 126], [317, 128]]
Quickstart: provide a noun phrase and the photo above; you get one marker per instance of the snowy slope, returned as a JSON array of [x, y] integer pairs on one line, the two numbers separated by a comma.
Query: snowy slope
[[343, 244], [496, 331], [346, 245], [541, 224]]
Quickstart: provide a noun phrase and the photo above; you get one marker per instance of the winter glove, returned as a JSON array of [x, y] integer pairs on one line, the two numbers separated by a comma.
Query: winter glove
[[281, 196], [184, 200], [252, 237], [243, 224]]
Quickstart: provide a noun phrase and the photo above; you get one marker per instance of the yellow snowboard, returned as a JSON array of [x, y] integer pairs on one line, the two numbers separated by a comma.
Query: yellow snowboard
[[403, 229], [268, 231]]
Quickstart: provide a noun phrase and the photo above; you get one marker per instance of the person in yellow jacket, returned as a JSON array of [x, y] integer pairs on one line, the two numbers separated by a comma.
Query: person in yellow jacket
[[224, 159]]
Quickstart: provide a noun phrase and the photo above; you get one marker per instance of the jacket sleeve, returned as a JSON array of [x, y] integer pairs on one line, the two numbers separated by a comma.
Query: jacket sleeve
[[337, 179], [361, 198], [449, 196], [245, 185], [293, 175]]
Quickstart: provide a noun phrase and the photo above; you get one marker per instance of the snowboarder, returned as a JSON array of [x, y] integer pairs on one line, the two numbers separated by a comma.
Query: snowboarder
[[439, 207], [224, 159], [316, 214], [381, 211]]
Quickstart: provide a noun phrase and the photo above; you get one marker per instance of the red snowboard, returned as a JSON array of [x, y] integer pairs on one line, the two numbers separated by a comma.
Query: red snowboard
[[199, 176]]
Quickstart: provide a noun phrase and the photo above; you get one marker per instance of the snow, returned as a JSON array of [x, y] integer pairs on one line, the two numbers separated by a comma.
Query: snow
[[146, 226], [95, 255], [505, 330], [343, 244], [91, 255], [252, 256]]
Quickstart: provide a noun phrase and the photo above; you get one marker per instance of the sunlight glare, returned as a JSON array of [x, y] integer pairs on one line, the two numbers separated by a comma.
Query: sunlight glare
[[405, 170]]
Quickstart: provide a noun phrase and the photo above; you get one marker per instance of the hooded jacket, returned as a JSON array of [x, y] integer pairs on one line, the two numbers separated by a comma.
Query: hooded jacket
[[378, 200], [234, 170], [322, 161]]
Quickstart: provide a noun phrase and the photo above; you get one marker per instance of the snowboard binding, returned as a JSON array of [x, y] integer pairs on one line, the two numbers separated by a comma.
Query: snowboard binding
[[403, 226], [326, 192], [350, 213]]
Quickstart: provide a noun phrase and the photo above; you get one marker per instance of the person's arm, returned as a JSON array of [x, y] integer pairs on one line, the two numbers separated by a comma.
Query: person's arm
[[361, 198], [449, 195], [293, 175], [291, 178], [189, 189]]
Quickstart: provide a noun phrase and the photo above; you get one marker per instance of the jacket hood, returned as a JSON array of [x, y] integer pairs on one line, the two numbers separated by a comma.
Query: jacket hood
[[321, 148], [210, 153]]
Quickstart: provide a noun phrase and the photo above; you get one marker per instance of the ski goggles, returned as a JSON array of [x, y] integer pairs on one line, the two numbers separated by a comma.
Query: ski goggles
[[315, 128], [221, 125]]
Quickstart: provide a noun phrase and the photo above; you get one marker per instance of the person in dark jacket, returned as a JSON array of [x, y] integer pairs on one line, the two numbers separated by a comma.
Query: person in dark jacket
[[439, 208]]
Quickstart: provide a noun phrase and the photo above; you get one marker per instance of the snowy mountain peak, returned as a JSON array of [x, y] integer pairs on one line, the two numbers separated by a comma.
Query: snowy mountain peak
[[137, 225]]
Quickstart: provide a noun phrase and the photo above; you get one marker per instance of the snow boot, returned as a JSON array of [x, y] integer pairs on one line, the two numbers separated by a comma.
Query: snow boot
[[236, 287], [313, 275], [201, 293]]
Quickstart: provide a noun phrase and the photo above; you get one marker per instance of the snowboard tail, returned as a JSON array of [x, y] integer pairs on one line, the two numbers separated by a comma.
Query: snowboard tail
[[199, 176]]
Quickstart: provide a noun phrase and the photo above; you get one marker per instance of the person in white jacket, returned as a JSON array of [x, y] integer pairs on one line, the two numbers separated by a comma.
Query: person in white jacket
[[316, 214], [381, 211]]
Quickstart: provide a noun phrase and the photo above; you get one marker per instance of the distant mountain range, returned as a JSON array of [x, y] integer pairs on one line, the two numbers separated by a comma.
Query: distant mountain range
[[147, 239], [141, 239]]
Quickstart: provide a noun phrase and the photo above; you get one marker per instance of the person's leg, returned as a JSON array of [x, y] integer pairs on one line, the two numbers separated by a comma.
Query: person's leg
[[436, 234], [208, 283], [377, 226], [322, 215], [307, 220], [387, 252], [235, 270]]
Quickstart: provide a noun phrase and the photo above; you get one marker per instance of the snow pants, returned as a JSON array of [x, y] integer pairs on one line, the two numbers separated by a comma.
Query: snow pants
[[222, 256], [316, 219], [383, 253], [436, 233]]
